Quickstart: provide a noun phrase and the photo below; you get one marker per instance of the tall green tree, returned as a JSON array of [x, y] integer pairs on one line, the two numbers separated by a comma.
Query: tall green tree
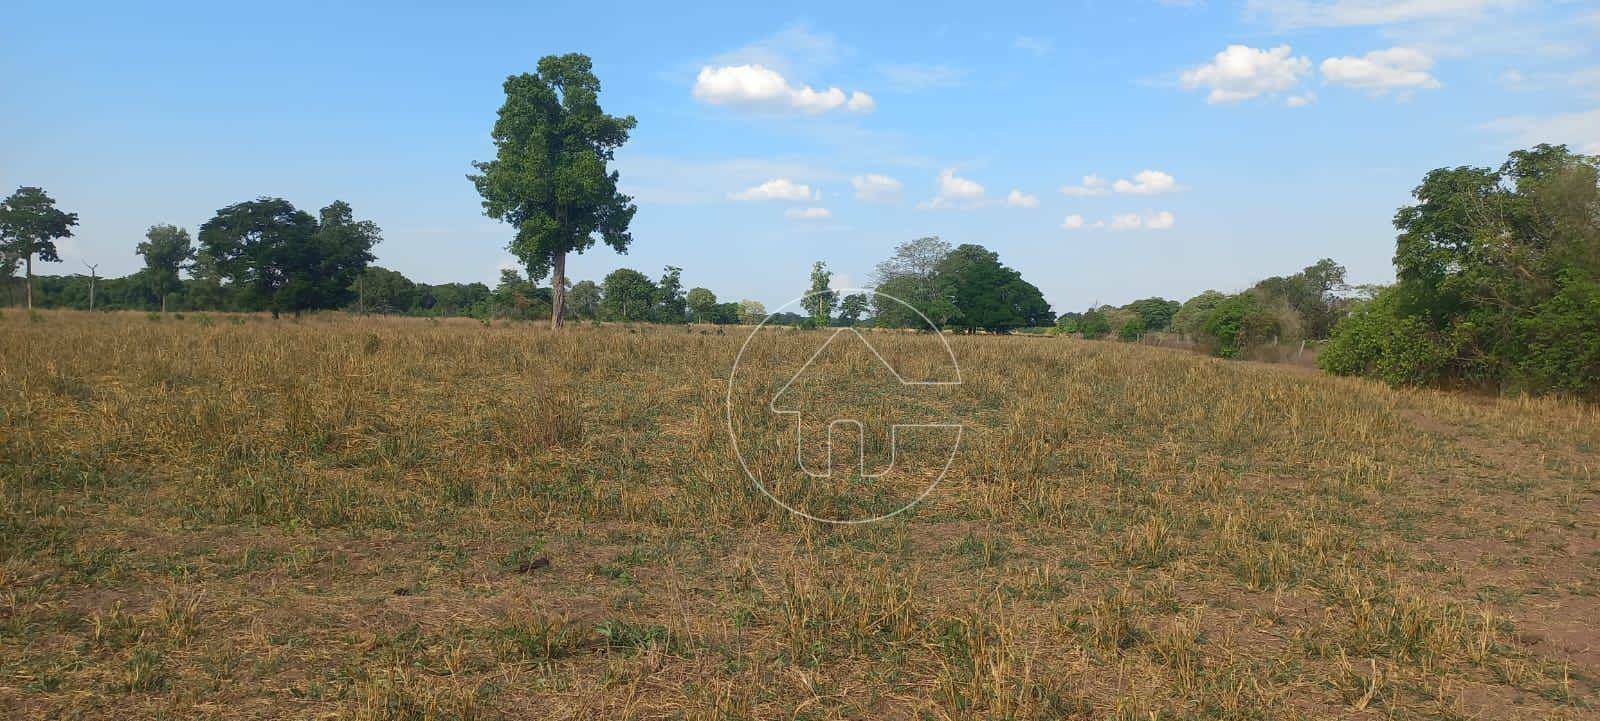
[[1497, 282], [910, 278], [283, 260], [988, 295], [549, 178], [380, 290], [166, 249], [30, 225], [670, 305], [702, 305], [819, 300], [627, 295]]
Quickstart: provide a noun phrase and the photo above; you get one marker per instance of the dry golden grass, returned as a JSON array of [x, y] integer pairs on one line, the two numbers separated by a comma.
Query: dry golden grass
[[230, 517]]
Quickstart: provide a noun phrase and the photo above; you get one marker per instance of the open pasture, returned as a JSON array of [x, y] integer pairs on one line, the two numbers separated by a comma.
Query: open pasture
[[372, 518]]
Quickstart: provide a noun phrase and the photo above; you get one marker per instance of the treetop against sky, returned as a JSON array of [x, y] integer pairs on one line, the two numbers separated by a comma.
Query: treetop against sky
[[1108, 151]]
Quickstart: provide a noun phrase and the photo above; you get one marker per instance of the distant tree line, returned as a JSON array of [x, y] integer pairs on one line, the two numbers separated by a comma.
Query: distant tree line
[[1498, 282]]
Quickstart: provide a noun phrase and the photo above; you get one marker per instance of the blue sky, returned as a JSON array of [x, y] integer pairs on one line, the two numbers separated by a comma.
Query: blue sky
[[1249, 138]]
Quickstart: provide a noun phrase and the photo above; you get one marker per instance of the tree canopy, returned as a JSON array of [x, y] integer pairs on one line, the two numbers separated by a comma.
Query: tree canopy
[[1497, 281], [283, 260], [549, 179], [627, 295], [30, 225], [165, 249], [987, 295]]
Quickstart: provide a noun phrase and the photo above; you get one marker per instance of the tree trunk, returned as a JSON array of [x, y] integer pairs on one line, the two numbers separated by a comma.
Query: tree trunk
[[558, 290], [164, 302], [28, 261]]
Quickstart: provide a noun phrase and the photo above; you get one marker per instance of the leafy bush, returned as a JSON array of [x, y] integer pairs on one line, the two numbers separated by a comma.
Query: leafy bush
[[1094, 325], [1498, 282], [1562, 340], [1132, 330], [1376, 340], [1238, 323]]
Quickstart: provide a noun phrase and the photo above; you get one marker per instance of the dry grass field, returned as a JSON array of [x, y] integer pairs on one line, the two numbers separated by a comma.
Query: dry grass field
[[232, 517]]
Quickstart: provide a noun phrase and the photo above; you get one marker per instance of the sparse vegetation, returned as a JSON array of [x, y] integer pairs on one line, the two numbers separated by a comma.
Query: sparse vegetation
[[369, 517]]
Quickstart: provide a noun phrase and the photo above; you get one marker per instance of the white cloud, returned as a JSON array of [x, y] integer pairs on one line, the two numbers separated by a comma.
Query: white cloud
[[1037, 46], [1019, 199], [1579, 131], [1160, 220], [1147, 182], [1092, 185], [1305, 13], [841, 281], [775, 189], [1298, 101], [760, 87], [909, 76], [954, 190], [1380, 71], [876, 188], [1126, 221], [807, 214], [1241, 72]]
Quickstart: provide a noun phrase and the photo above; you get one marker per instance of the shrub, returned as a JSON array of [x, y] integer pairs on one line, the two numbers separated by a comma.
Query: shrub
[[1132, 330], [1561, 341], [1237, 323], [1094, 325], [1376, 340]]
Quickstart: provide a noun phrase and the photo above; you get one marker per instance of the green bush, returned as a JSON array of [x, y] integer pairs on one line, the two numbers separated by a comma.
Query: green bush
[[1561, 341], [1094, 325], [1498, 282], [1132, 330], [1237, 323], [1376, 340]]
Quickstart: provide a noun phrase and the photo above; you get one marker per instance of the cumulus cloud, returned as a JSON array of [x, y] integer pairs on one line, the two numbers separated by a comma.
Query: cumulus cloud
[[1338, 13], [1073, 222], [1146, 182], [760, 87], [1019, 199], [807, 214], [1298, 101], [775, 189], [1241, 72], [1159, 221], [876, 188], [1380, 71], [1092, 185], [954, 191]]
